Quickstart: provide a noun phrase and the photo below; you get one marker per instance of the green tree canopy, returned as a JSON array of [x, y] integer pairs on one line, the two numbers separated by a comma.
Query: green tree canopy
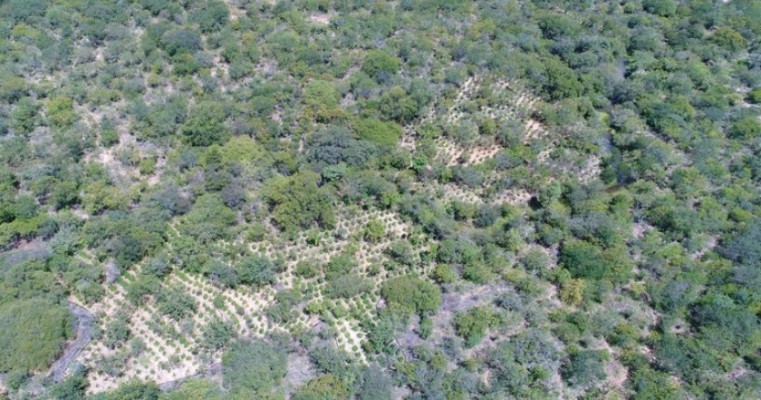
[[253, 368], [205, 124], [379, 64], [410, 294], [324, 387], [376, 131], [33, 333], [298, 202], [209, 218]]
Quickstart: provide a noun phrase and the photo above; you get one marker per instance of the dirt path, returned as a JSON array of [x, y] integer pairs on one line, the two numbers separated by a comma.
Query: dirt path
[[84, 333]]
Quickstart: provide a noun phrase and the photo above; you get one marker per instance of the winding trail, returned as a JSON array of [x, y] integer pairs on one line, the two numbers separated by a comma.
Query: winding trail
[[84, 334]]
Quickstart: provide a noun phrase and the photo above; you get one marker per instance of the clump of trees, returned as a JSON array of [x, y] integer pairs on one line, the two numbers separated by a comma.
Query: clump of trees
[[174, 134], [298, 202], [472, 324], [204, 125], [411, 295], [33, 334], [380, 65], [253, 369]]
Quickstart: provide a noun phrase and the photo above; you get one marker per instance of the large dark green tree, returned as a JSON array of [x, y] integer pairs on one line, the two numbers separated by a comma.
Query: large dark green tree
[[253, 368], [33, 334]]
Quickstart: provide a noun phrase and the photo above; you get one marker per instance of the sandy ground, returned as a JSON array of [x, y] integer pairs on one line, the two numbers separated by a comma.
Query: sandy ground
[[167, 359]]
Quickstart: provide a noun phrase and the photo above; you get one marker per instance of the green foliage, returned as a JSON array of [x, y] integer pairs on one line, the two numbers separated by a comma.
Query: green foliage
[[306, 269], [147, 166], [117, 332], [745, 247], [139, 290], [472, 324], [745, 128], [217, 334], [561, 82], [181, 41], [321, 98], [109, 137], [663, 8], [328, 359], [443, 273], [14, 379], [99, 197], [184, 64], [20, 10], [409, 294], [211, 16], [585, 367], [376, 131], [221, 273], [376, 384], [33, 333], [349, 285], [175, 303], [209, 219], [380, 65], [283, 309], [729, 38], [726, 325], [374, 231], [253, 368], [205, 125], [257, 271], [535, 260], [754, 96], [195, 389], [60, 112], [402, 252], [380, 335], [324, 387], [133, 390], [73, 388], [340, 265], [685, 357], [572, 291], [297, 201], [519, 363], [396, 104], [477, 273], [335, 146], [240, 116], [20, 229], [23, 117], [585, 260], [651, 385], [12, 88]]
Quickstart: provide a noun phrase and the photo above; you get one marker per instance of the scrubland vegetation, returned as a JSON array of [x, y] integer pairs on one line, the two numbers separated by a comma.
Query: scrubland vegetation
[[357, 199]]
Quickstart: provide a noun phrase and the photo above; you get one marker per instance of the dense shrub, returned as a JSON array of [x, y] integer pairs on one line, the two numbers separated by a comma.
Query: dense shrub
[[379, 64], [323, 387], [211, 15], [257, 271], [472, 324], [409, 294], [585, 367], [33, 333], [585, 260], [181, 41], [298, 202], [376, 131], [205, 125], [253, 369]]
